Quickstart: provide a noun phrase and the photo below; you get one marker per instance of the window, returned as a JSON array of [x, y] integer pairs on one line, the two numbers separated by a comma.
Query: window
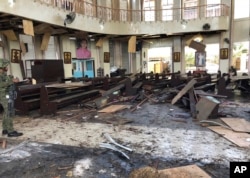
[[240, 56], [213, 8], [149, 7], [190, 9], [88, 8], [241, 9], [167, 12]]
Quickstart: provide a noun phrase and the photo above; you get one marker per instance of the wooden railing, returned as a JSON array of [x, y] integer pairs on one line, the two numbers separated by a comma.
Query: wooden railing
[[110, 14]]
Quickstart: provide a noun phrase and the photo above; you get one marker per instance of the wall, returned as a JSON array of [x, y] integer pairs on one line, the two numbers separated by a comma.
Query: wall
[[241, 30]]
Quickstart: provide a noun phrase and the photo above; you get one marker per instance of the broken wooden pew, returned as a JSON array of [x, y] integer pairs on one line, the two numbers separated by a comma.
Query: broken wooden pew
[[207, 107], [124, 87]]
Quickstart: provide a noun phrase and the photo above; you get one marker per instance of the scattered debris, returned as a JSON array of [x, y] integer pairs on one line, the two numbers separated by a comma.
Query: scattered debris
[[190, 171], [107, 136], [237, 124], [112, 147], [114, 108], [238, 138], [4, 142]]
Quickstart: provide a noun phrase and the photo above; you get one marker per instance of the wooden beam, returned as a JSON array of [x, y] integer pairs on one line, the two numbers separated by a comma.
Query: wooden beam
[[10, 34], [45, 41], [132, 44], [184, 90], [99, 42]]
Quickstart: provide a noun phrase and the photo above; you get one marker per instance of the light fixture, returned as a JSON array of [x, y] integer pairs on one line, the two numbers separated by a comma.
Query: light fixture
[[11, 2], [72, 38], [183, 23], [101, 23], [198, 38]]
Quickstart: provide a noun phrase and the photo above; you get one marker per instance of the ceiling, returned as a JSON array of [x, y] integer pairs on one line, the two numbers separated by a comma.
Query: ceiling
[[15, 23]]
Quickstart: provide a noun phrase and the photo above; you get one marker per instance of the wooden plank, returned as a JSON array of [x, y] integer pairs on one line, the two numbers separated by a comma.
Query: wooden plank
[[192, 102], [4, 143], [236, 78], [69, 85], [132, 44], [23, 48], [45, 41], [10, 34], [237, 124], [43, 28], [114, 108], [184, 90], [189, 171], [203, 93], [238, 138], [28, 28], [99, 43]]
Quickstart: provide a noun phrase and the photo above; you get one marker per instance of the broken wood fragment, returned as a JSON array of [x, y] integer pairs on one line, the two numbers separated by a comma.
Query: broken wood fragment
[[192, 101], [107, 145], [4, 143], [202, 93], [134, 108], [64, 168], [239, 138], [184, 90], [151, 99], [237, 124], [107, 136], [114, 108]]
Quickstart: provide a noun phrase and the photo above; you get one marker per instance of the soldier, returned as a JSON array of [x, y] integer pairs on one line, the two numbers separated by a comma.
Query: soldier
[[7, 100]]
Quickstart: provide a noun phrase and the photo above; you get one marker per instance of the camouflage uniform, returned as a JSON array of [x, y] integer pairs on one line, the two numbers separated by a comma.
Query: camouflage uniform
[[5, 83]]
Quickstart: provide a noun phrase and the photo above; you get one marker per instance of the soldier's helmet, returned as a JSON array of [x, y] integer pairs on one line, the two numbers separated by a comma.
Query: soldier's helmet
[[4, 63]]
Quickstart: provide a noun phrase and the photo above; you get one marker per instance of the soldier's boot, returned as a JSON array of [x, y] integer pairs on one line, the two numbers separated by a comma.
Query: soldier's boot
[[14, 134]]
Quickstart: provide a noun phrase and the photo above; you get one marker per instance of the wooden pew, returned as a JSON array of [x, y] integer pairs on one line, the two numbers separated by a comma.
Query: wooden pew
[[224, 89], [53, 98], [27, 98]]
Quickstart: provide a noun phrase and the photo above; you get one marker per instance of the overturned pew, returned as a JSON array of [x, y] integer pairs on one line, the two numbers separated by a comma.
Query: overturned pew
[[126, 87]]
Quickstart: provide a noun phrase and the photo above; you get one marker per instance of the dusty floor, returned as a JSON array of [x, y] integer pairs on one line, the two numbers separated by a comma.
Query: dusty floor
[[160, 135]]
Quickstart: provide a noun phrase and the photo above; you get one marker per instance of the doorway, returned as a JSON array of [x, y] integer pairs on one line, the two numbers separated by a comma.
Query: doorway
[[159, 60]]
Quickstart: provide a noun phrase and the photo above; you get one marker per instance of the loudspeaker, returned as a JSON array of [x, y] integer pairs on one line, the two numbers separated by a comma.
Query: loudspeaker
[[226, 40], [206, 26], [138, 45]]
